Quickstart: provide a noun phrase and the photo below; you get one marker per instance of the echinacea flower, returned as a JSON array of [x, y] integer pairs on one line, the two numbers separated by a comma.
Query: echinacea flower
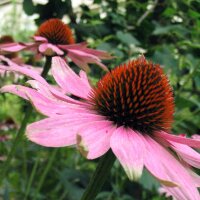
[[130, 111], [53, 37]]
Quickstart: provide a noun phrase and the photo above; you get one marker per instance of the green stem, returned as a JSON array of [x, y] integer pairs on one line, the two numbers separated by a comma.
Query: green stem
[[99, 177], [45, 172], [25, 120], [31, 178]]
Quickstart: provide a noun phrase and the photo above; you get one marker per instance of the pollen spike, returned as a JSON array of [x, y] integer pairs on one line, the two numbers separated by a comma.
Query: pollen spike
[[56, 32]]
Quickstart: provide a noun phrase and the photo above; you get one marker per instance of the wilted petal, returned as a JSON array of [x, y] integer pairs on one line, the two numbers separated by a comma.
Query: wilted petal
[[128, 146], [93, 139]]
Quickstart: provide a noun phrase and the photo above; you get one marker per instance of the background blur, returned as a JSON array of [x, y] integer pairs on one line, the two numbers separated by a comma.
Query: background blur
[[166, 32]]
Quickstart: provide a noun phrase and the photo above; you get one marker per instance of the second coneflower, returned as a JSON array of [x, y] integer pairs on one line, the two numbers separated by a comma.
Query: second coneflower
[[130, 111], [53, 37]]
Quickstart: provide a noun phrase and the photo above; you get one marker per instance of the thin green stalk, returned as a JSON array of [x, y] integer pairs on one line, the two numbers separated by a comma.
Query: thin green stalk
[[99, 177], [31, 178], [25, 120], [45, 172]]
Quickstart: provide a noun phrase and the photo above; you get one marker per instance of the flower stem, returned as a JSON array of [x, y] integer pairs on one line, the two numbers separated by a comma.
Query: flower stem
[[31, 178], [99, 177], [21, 130], [45, 172]]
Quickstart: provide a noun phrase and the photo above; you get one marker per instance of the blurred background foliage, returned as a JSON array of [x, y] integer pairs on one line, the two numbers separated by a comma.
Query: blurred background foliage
[[166, 32]]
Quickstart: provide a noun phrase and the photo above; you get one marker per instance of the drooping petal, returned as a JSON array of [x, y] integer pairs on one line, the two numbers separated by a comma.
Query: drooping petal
[[169, 171], [82, 58], [93, 139], [69, 80], [51, 91], [128, 146], [42, 102], [49, 106], [12, 47], [58, 131], [13, 67], [189, 155], [178, 139], [15, 89], [50, 49], [77, 46], [99, 53], [83, 47]]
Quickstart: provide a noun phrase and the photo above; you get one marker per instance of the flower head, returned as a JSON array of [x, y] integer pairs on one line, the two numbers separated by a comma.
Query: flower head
[[56, 32], [129, 111], [136, 95]]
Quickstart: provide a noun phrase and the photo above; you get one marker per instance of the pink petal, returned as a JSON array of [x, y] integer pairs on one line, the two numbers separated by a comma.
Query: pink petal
[[189, 155], [13, 67], [178, 139], [12, 47], [83, 47], [58, 131], [93, 139], [15, 89], [79, 57], [100, 54], [128, 146], [50, 49], [34, 74], [49, 106], [40, 39], [169, 171], [68, 80], [44, 104], [77, 46], [79, 62]]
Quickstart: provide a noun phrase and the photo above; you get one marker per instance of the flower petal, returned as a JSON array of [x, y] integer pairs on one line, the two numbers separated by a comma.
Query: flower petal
[[50, 49], [13, 67], [128, 146], [69, 80], [58, 131], [189, 155], [169, 171], [93, 139], [178, 139], [12, 47], [82, 58], [39, 39], [15, 89]]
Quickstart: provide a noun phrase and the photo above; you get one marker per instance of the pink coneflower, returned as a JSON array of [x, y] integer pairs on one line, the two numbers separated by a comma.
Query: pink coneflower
[[53, 37], [130, 111]]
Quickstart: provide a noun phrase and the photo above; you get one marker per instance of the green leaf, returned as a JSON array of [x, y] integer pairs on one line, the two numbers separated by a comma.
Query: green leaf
[[127, 38]]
